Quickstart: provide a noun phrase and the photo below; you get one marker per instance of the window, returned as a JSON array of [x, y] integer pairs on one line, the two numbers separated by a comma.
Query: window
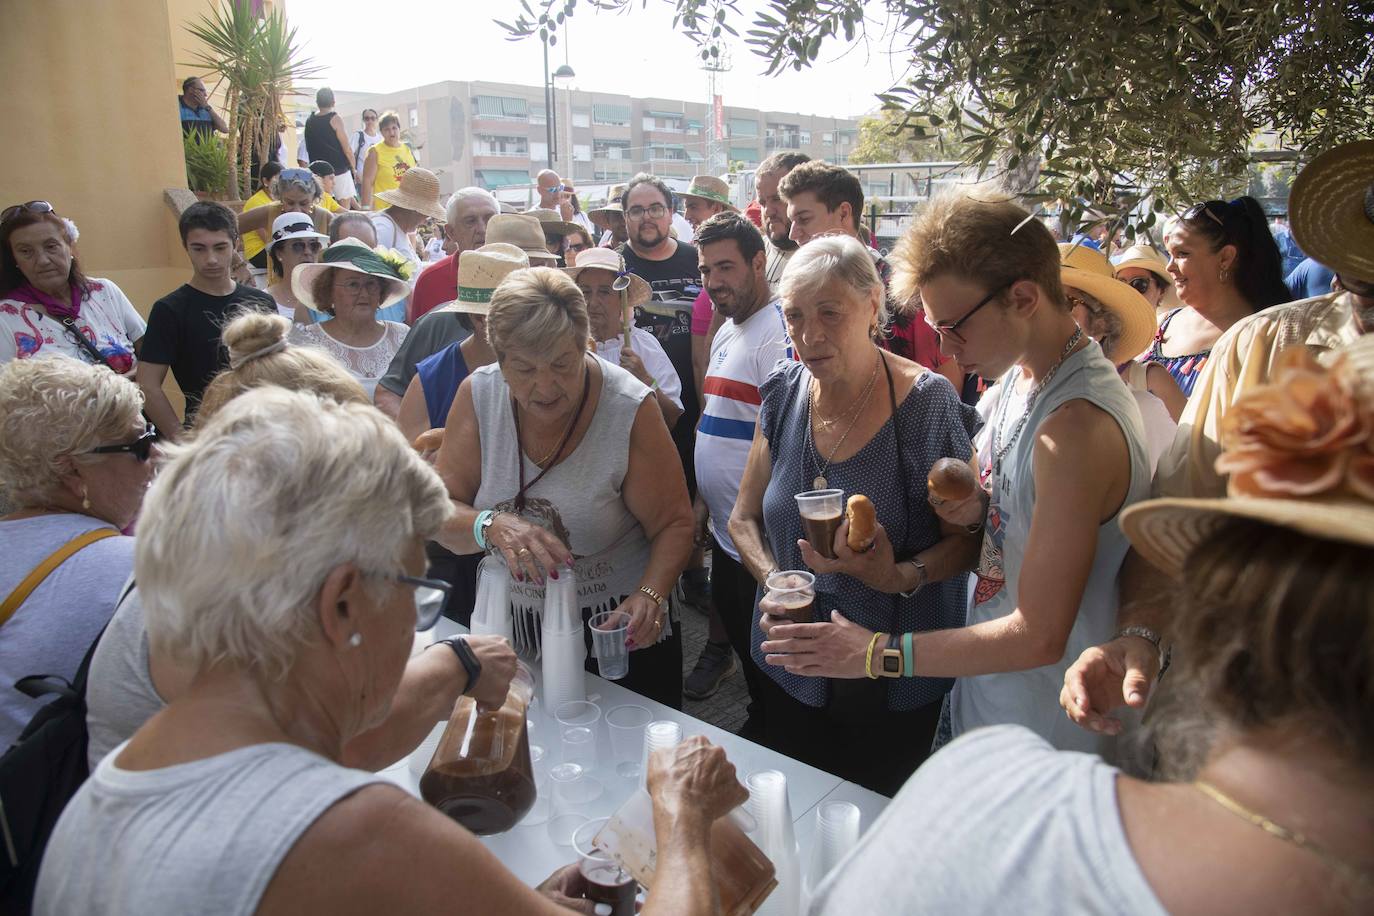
[[804, 137], [665, 121], [611, 149], [827, 138], [662, 152], [742, 127], [501, 146], [693, 126], [582, 117], [538, 114], [747, 155], [539, 152], [582, 152], [501, 108], [611, 115]]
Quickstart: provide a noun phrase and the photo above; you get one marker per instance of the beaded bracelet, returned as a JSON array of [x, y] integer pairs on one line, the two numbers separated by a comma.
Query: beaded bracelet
[[479, 533], [868, 657]]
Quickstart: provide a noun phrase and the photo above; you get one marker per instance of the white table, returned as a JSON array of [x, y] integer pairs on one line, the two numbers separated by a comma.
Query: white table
[[528, 851]]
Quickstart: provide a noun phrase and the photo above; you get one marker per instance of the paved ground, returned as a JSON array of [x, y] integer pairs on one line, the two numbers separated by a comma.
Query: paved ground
[[725, 708]]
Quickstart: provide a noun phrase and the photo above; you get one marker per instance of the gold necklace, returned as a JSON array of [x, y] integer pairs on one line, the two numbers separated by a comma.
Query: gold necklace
[[863, 399], [1278, 831], [820, 482]]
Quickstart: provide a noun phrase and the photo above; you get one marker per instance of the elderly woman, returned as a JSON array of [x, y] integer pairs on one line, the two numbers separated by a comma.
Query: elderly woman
[[618, 339], [1267, 749], [47, 305], [350, 283], [853, 417], [294, 242], [293, 191], [575, 473], [74, 453], [1225, 266], [297, 626]]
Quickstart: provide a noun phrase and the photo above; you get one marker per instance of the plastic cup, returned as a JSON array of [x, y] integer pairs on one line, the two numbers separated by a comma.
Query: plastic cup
[[568, 803], [579, 746], [658, 735], [821, 513], [794, 590], [539, 811], [609, 632], [626, 725], [609, 885]]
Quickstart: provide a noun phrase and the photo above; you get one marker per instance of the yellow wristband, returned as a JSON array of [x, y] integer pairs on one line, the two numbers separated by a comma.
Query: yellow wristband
[[868, 658]]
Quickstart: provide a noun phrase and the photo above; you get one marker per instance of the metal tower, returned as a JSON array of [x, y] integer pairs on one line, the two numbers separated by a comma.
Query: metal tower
[[716, 64]]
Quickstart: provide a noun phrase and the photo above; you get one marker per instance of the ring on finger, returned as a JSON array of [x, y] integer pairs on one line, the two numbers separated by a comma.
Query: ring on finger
[[523, 550]]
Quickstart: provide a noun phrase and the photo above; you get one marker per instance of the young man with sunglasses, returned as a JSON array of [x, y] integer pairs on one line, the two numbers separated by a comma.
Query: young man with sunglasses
[[184, 326]]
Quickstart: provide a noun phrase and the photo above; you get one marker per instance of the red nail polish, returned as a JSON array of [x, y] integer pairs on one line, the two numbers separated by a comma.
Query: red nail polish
[[553, 574]]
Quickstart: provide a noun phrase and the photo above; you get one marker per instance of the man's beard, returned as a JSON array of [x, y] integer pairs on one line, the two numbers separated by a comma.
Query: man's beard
[[657, 237], [785, 243]]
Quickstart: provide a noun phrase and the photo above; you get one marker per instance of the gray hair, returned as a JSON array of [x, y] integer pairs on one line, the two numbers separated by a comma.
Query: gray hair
[[535, 310], [833, 257], [350, 218], [245, 522], [52, 409], [1105, 325], [462, 194], [314, 187]]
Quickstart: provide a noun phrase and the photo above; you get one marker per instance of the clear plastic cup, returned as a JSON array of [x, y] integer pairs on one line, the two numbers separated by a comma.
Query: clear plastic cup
[[610, 629], [794, 590], [821, 513], [658, 735], [568, 803], [539, 811], [626, 725], [579, 746], [837, 832], [609, 886]]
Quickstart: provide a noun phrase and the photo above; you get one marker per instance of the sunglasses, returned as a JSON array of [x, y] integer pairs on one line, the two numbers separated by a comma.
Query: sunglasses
[[141, 448], [299, 247], [33, 206], [951, 331], [304, 175], [1140, 285], [1206, 209]]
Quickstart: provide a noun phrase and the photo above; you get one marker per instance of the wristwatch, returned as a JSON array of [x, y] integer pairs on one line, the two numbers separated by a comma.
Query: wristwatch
[[467, 658], [890, 661]]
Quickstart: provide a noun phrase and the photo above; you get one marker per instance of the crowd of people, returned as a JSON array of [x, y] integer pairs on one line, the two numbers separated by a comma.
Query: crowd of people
[[1163, 460]]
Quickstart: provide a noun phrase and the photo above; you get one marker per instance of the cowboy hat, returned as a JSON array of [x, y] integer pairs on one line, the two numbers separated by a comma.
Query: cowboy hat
[[352, 255], [709, 187], [418, 191], [600, 217], [480, 271], [550, 221], [1300, 454], [1331, 210], [290, 226], [524, 232], [1143, 257], [1089, 270], [607, 259]]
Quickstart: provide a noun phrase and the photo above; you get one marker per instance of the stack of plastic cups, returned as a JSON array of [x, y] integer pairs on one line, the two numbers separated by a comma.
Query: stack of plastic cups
[[564, 652], [773, 833], [837, 832], [658, 734], [491, 614]]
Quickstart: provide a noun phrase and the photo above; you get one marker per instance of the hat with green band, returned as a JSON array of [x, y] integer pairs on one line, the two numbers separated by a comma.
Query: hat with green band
[[480, 271], [354, 256], [709, 187]]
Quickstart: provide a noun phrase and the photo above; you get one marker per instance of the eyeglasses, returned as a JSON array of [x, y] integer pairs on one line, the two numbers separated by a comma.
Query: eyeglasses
[[1139, 284], [1092, 308], [359, 286], [952, 330], [1206, 209], [33, 206], [654, 211], [141, 448], [431, 598], [299, 247]]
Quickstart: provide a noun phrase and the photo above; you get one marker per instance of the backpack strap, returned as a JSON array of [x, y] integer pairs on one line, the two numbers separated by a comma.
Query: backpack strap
[[42, 570]]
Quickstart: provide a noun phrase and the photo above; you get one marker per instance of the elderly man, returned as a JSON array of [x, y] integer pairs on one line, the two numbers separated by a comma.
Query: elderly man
[[467, 214], [777, 226], [196, 113], [550, 188]]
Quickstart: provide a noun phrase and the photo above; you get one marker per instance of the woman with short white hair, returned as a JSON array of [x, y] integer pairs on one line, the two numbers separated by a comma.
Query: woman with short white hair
[[281, 553], [74, 451]]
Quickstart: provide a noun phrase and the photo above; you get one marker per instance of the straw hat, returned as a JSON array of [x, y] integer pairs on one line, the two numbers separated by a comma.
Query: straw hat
[[418, 191], [352, 255], [1293, 466], [1144, 257], [607, 259], [524, 232], [1089, 270], [290, 226], [551, 221], [600, 217], [480, 271], [709, 187], [1331, 210]]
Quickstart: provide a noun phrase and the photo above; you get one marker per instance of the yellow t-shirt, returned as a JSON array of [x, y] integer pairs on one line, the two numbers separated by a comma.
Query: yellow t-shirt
[[255, 241], [330, 204], [392, 163]]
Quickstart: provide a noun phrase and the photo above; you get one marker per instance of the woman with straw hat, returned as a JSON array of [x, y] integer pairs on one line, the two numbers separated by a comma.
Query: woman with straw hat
[[1268, 746], [350, 283], [1145, 271]]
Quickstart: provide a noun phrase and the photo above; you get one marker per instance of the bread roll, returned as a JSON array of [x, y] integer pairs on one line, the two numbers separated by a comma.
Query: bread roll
[[863, 522], [429, 440], [951, 479]]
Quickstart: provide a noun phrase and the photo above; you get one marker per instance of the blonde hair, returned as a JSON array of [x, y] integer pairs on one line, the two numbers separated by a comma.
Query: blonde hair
[[52, 409], [988, 241], [260, 355], [535, 310], [245, 522], [832, 257]]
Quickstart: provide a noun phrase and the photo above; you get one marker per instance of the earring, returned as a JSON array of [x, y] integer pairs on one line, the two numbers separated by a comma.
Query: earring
[[1224, 276], [355, 640], [85, 499]]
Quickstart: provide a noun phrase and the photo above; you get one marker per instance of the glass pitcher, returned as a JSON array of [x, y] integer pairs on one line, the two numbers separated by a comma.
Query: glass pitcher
[[481, 774]]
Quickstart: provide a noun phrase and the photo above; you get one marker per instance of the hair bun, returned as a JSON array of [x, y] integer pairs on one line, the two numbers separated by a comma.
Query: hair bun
[[254, 334]]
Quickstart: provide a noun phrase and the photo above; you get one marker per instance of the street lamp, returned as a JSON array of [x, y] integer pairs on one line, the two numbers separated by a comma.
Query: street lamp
[[564, 72]]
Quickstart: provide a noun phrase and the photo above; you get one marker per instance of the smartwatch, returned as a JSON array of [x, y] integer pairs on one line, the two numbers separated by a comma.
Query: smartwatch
[[467, 658], [890, 661]]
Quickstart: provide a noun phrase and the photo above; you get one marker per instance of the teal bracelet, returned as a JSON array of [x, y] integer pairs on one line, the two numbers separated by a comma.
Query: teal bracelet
[[908, 655], [479, 533]]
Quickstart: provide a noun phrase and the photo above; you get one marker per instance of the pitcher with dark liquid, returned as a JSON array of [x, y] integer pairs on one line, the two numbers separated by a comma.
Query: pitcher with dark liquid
[[481, 774]]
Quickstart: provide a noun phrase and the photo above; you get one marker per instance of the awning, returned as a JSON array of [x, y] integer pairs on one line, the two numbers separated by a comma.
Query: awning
[[693, 124], [616, 113], [501, 178], [495, 106], [670, 115], [744, 155], [742, 128], [694, 156]]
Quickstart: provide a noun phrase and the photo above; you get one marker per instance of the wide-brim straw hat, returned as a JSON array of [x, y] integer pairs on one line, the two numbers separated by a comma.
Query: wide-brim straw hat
[[480, 271], [290, 226], [551, 221], [1144, 257], [418, 191], [1089, 270], [524, 232], [709, 187], [351, 255], [639, 291], [600, 216], [1331, 210]]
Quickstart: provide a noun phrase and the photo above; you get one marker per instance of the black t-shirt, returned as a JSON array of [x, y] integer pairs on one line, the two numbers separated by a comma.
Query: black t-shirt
[[184, 331]]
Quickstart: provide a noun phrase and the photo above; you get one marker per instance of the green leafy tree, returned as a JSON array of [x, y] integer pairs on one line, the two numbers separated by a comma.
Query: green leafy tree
[[883, 137], [1115, 101]]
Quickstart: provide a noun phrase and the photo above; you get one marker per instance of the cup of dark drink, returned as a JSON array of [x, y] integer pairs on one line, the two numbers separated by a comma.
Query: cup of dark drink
[[794, 591], [821, 513], [610, 887]]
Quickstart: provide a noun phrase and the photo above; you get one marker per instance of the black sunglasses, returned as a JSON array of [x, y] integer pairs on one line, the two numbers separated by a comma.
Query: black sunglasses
[[304, 175], [952, 330], [33, 206], [1205, 209], [141, 448], [1139, 284]]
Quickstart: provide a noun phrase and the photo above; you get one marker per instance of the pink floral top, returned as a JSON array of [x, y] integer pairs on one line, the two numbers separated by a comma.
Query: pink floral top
[[108, 320]]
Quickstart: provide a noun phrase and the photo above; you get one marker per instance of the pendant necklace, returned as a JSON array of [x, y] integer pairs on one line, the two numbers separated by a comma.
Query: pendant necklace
[[819, 482]]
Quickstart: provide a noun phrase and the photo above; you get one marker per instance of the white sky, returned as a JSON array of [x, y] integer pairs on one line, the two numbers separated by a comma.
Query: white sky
[[364, 45]]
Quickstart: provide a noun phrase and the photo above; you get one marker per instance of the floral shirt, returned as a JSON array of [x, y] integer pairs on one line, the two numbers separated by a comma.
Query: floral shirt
[[108, 320]]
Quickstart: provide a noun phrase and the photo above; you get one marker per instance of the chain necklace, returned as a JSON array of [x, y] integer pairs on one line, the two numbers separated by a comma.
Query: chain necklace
[[820, 483], [821, 421], [1000, 452]]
